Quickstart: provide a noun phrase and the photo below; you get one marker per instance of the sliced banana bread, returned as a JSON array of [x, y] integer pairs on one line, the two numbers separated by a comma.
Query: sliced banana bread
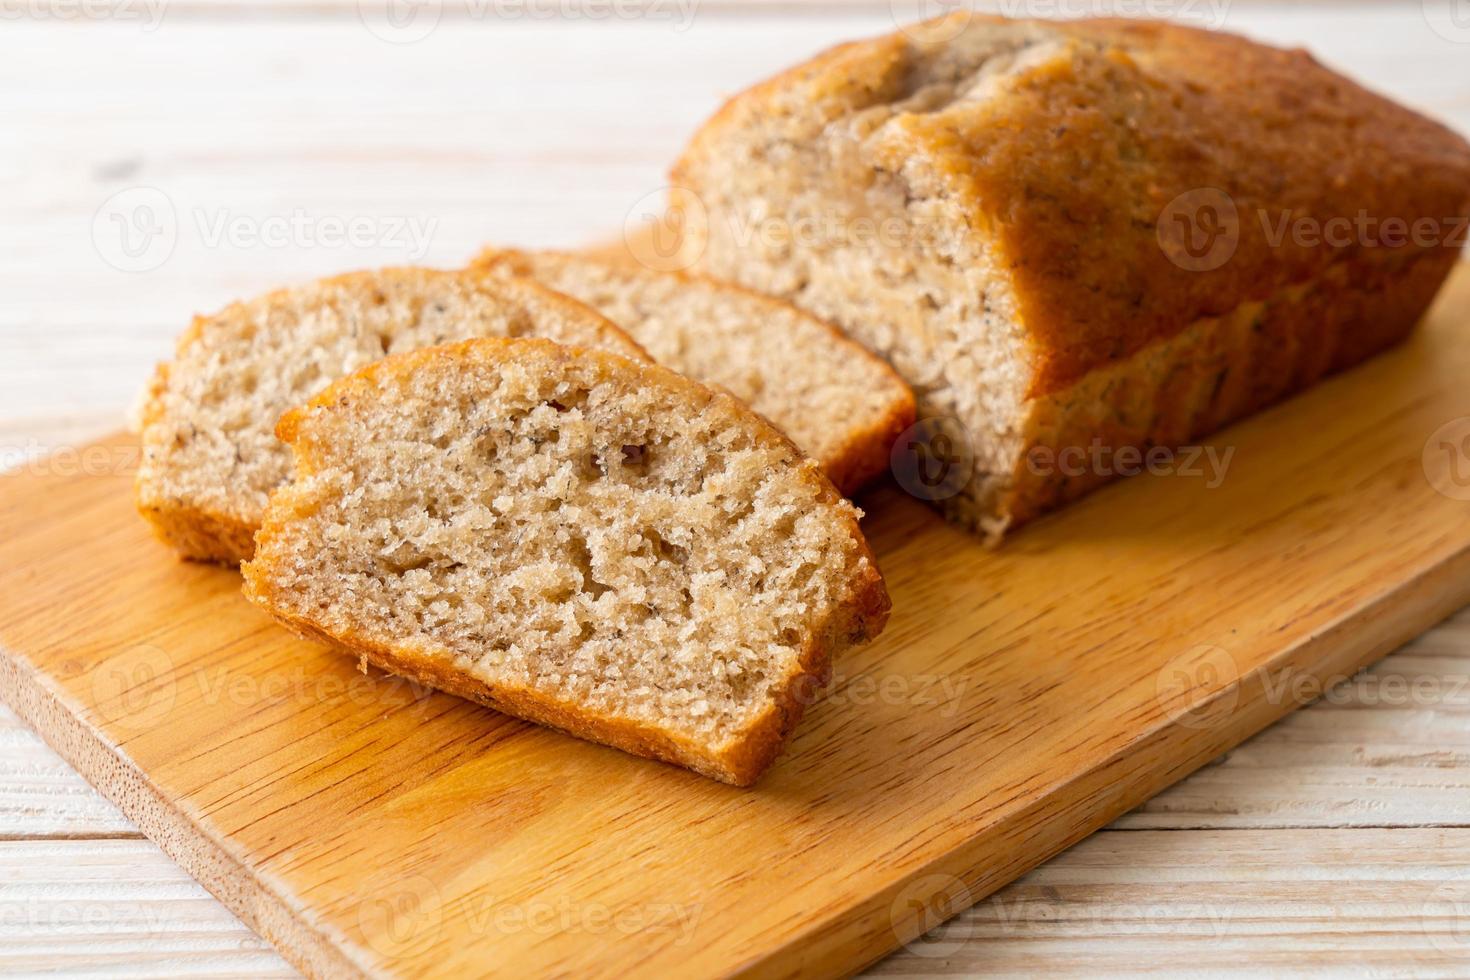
[[573, 537], [1073, 237], [843, 406], [210, 455]]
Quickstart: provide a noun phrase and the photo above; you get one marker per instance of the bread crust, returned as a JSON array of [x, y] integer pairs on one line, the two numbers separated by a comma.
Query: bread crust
[[1069, 169], [862, 454], [1068, 165], [740, 761], [201, 532]]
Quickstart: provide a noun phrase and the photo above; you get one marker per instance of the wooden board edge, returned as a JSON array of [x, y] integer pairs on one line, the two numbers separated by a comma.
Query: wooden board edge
[[949, 885], [206, 860]]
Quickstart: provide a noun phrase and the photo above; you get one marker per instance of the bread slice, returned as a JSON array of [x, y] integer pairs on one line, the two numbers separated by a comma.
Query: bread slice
[[573, 537], [210, 456], [840, 404], [1074, 237]]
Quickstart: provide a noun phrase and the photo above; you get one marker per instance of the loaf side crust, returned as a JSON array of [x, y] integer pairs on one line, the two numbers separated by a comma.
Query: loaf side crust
[[1216, 371]]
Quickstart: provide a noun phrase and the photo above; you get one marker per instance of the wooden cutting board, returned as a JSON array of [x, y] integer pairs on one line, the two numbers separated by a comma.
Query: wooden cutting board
[[1020, 699]]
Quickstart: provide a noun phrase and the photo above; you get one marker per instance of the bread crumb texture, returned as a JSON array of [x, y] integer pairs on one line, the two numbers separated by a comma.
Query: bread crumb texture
[[573, 537], [210, 455], [842, 405]]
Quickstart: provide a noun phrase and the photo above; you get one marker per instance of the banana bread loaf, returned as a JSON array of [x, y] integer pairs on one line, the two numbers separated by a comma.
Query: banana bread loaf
[[1079, 235]]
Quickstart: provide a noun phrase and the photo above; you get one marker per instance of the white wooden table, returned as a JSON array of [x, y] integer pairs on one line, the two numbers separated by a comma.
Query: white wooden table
[[166, 156]]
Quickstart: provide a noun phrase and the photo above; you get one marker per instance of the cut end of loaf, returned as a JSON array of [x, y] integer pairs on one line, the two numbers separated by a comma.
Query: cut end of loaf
[[842, 405], [574, 538], [210, 456]]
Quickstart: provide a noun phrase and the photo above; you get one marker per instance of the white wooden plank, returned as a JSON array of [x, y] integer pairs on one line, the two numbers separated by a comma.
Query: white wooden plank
[[117, 909], [1339, 903], [41, 796], [535, 133], [1161, 903]]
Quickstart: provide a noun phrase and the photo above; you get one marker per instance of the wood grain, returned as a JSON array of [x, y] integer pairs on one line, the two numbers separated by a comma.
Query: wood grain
[[1331, 903], [1020, 699]]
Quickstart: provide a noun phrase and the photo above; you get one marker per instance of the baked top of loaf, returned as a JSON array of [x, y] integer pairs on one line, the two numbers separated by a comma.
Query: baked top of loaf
[[842, 405], [210, 455], [1064, 144], [574, 537]]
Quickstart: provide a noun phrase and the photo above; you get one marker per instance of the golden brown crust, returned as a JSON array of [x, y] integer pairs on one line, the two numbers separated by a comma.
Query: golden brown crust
[[204, 533], [739, 762], [197, 533], [1069, 170], [862, 455], [1214, 372]]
